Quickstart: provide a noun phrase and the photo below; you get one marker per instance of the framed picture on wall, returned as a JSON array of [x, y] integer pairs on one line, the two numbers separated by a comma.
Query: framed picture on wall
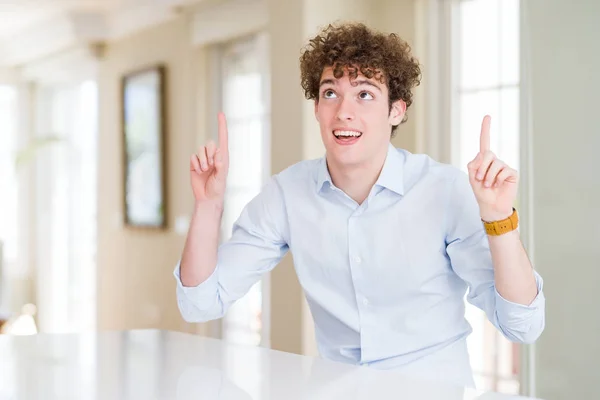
[[143, 127]]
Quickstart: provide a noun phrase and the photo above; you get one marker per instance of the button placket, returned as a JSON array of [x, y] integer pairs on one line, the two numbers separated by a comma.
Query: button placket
[[356, 262]]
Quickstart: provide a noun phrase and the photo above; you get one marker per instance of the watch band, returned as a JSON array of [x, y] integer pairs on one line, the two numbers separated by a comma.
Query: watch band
[[497, 228]]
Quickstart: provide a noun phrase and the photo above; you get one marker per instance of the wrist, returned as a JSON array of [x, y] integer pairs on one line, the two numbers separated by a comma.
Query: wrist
[[209, 207], [493, 216]]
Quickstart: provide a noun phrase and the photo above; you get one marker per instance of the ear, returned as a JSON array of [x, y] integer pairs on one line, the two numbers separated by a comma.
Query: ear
[[397, 112], [316, 110]]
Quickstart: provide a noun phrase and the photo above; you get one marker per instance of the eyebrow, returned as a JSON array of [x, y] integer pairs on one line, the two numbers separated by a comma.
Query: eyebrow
[[357, 82]]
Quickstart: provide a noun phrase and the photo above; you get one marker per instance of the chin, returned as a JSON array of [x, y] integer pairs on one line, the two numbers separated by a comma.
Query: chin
[[345, 156]]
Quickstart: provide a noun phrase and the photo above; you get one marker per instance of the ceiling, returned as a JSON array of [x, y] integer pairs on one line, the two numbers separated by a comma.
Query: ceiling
[[17, 15], [31, 29]]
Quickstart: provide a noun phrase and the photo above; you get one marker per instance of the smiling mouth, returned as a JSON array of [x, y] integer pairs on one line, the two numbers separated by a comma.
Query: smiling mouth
[[347, 135]]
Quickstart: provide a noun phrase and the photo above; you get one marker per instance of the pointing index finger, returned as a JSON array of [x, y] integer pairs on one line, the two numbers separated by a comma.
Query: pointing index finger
[[223, 136], [484, 140]]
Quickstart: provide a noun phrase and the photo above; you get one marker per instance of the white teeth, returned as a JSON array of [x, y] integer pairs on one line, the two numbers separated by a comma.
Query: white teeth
[[347, 133]]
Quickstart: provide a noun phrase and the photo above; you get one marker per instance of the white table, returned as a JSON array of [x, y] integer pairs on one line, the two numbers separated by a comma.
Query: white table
[[154, 364]]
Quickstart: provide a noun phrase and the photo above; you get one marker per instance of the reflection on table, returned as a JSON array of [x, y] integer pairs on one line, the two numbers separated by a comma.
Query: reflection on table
[[154, 364]]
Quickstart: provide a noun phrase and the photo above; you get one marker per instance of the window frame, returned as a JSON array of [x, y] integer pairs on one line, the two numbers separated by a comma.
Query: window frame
[[442, 143], [259, 41]]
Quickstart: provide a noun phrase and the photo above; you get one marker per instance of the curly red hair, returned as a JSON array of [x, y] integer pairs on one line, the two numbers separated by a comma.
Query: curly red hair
[[355, 48]]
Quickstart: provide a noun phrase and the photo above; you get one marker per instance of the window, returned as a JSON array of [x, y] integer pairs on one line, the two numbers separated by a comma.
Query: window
[[9, 227], [485, 60], [244, 99], [66, 206]]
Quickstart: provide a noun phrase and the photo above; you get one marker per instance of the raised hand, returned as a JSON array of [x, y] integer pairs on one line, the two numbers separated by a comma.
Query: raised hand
[[494, 183], [209, 167]]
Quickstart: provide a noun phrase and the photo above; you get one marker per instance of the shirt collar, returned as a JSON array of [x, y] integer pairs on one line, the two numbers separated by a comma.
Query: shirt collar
[[391, 176], [392, 173], [323, 176]]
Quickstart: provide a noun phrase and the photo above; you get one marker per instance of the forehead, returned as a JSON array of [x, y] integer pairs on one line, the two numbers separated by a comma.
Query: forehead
[[328, 74]]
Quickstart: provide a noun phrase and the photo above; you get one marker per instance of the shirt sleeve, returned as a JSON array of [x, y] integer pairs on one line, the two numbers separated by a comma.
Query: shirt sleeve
[[257, 244], [469, 252]]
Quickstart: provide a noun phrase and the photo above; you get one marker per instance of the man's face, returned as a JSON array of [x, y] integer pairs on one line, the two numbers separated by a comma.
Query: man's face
[[355, 118]]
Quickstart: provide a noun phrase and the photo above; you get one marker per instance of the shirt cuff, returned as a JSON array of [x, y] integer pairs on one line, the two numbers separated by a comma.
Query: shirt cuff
[[508, 310], [204, 293]]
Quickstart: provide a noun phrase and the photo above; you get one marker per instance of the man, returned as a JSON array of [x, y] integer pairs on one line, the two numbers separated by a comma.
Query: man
[[386, 243]]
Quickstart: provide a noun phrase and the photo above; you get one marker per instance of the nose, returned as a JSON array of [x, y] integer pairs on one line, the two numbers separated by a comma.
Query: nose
[[345, 111]]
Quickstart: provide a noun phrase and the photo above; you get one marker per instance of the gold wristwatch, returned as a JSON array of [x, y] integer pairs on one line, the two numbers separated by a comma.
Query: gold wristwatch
[[497, 228]]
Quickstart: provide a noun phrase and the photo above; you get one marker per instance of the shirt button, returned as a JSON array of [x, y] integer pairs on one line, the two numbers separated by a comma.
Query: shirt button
[[365, 301], [357, 259]]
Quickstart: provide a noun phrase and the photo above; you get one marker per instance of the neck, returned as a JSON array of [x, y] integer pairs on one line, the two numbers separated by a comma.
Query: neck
[[357, 180]]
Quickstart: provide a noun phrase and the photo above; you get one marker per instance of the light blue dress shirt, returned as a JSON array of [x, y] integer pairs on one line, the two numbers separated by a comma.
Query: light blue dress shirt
[[385, 280]]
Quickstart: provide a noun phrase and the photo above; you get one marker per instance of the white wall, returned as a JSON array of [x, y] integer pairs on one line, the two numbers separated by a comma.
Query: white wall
[[564, 60], [135, 282]]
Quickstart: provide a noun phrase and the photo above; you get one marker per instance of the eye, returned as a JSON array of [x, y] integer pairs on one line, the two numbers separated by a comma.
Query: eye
[[329, 94], [365, 96]]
